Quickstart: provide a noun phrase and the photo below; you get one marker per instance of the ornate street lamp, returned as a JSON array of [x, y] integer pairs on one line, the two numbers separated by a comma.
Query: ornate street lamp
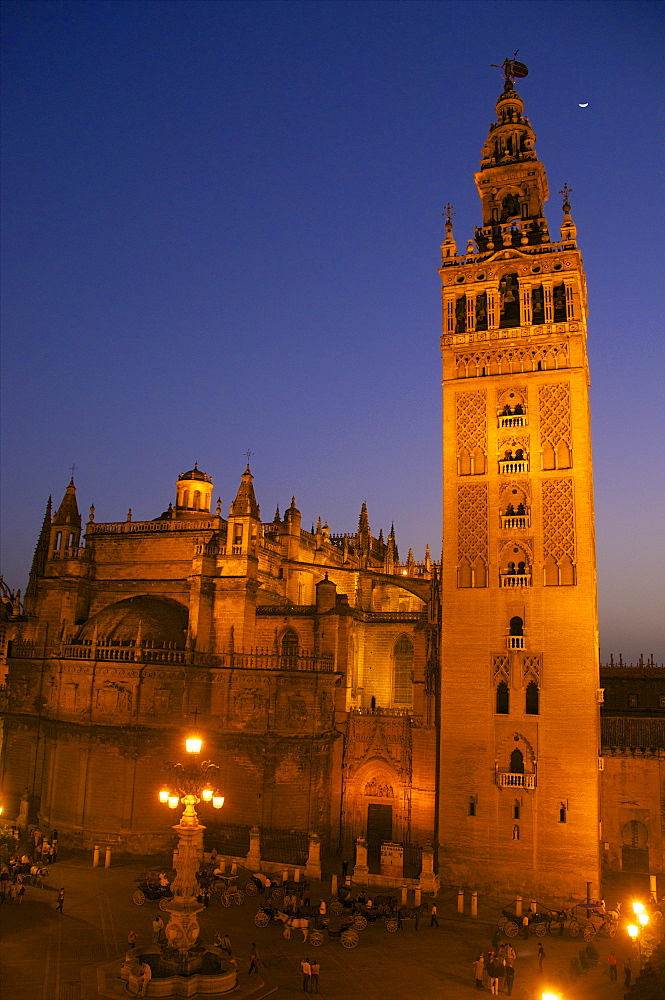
[[635, 930], [188, 784]]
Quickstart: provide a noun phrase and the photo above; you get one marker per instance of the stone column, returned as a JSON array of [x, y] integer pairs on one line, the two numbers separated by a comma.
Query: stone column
[[429, 881], [254, 853], [361, 870], [313, 866]]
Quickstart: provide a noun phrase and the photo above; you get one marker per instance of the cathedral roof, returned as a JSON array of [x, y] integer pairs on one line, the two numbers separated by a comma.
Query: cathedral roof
[[158, 619]]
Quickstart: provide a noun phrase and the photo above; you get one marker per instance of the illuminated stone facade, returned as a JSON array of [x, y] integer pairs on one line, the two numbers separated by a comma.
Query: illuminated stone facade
[[345, 693], [519, 802]]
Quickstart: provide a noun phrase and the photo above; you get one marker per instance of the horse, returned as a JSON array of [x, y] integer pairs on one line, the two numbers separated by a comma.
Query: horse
[[411, 913]]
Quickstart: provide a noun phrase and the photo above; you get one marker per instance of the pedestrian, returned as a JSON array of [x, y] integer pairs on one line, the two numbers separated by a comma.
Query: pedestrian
[[510, 979], [493, 973], [628, 972], [131, 939], [433, 921], [306, 975], [226, 944], [479, 970], [306, 897], [500, 966], [316, 968], [345, 869], [253, 960], [146, 976], [61, 899], [157, 928], [525, 926], [541, 956], [20, 893], [612, 962]]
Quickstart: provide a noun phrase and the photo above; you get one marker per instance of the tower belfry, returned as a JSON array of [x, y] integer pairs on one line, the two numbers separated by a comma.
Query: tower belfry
[[519, 800]]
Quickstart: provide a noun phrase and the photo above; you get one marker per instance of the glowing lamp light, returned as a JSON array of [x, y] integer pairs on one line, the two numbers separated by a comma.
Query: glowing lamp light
[[643, 919], [217, 801], [551, 996], [207, 794], [633, 930], [193, 744], [173, 801], [638, 907], [164, 795]]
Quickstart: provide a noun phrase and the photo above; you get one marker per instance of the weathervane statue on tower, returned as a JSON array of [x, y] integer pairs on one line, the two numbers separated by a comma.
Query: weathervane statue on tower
[[512, 70]]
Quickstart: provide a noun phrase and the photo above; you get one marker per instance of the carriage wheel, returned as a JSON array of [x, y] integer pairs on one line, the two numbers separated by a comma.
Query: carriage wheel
[[589, 932], [541, 930], [226, 899], [360, 922], [316, 939], [350, 939], [139, 897], [239, 898], [502, 921], [574, 929], [612, 929], [336, 908], [278, 892], [392, 925], [261, 919], [511, 929], [252, 888]]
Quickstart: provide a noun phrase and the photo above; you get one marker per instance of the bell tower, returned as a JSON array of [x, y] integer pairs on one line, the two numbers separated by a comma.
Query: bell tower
[[519, 802]]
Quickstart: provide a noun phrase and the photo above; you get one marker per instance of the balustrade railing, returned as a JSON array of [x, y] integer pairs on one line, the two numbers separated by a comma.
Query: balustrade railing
[[509, 780], [515, 579], [510, 467], [515, 420], [514, 521], [515, 642]]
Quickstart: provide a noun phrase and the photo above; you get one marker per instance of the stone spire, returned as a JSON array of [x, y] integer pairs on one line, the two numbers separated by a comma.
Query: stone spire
[[68, 512], [39, 558], [245, 502]]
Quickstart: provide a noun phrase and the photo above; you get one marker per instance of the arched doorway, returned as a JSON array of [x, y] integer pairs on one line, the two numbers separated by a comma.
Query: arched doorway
[[634, 848]]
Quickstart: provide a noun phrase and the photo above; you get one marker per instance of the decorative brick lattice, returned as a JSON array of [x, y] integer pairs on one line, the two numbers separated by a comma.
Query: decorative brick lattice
[[505, 361], [472, 522], [471, 421], [558, 519], [531, 668], [554, 407], [500, 668]]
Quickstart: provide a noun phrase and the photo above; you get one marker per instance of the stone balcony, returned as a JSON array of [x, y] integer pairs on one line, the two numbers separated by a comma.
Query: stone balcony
[[505, 779], [515, 579]]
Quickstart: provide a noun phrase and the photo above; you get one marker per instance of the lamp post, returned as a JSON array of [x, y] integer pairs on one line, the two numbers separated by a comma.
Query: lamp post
[[189, 784], [635, 930]]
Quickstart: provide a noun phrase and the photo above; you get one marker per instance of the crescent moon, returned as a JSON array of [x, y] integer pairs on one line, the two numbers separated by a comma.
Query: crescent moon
[[585, 105]]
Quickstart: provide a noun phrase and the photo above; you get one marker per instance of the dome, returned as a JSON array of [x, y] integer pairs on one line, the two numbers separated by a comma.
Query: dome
[[196, 474], [160, 619]]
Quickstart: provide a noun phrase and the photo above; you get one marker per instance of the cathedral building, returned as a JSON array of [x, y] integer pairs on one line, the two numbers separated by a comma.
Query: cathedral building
[[448, 710]]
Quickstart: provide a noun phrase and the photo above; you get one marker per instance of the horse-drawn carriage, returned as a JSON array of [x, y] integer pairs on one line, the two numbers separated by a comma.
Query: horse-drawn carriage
[[338, 928], [151, 890], [366, 909]]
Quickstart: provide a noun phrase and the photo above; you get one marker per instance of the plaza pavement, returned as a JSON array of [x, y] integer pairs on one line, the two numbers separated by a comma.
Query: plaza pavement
[[46, 956]]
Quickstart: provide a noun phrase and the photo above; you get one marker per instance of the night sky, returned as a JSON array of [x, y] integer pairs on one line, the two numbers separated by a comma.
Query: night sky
[[221, 232]]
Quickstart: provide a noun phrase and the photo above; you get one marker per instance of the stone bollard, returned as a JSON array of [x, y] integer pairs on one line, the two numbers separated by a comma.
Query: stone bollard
[[404, 894], [474, 903], [533, 906], [285, 875], [107, 859], [460, 900], [95, 856], [296, 875], [333, 885], [419, 896], [234, 867], [518, 906]]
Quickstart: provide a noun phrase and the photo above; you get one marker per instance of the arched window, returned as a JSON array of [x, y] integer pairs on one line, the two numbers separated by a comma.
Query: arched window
[[403, 672], [185, 499], [509, 298], [502, 699], [460, 314], [517, 762], [289, 650], [516, 626], [532, 698], [197, 499]]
